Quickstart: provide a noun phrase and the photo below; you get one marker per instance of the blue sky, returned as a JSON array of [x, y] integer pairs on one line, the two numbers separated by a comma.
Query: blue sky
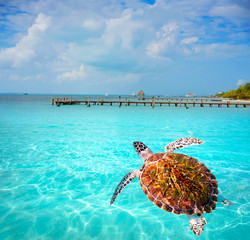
[[121, 46]]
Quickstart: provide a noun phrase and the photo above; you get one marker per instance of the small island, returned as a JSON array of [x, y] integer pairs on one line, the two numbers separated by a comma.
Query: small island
[[243, 92]]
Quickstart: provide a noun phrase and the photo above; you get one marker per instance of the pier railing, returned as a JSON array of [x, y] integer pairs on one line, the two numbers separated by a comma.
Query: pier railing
[[152, 102]]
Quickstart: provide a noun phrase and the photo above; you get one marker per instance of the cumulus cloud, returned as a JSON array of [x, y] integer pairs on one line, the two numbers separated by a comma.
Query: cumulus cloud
[[121, 30], [25, 49], [241, 82], [164, 39], [73, 75]]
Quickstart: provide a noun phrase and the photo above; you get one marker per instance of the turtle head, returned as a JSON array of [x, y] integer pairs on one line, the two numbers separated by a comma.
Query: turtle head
[[142, 150]]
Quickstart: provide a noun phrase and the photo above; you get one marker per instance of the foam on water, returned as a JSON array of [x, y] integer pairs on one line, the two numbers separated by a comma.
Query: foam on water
[[59, 167]]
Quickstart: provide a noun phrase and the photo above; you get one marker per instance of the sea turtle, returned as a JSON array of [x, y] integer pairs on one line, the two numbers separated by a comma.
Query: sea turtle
[[176, 182]]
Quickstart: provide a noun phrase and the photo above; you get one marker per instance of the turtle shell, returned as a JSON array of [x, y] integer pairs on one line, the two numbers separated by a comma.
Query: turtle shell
[[178, 183]]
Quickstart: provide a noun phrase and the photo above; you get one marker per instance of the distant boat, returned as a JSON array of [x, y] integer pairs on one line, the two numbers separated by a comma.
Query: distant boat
[[190, 95], [25, 93], [133, 94], [106, 94]]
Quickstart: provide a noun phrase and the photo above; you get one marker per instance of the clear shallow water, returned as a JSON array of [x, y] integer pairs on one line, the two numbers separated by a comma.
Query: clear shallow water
[[59, 167]]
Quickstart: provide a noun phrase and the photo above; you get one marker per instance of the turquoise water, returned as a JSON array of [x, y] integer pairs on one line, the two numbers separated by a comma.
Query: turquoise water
[[59, 167]]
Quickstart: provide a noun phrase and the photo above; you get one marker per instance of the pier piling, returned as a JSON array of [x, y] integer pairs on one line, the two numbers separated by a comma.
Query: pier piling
[[153, 102]]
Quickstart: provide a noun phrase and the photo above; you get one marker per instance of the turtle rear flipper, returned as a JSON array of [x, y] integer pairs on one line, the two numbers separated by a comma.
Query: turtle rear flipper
[[224, 201], [197, 223], [123, 183], [181, 143]]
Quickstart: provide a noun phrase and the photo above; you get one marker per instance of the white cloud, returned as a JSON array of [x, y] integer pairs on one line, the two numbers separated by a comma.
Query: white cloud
[[187, 47], [25, 49], [231, 11], [241, 82], [187, 41], [92, 24], [73, 75], [164, 39], [121, 29]]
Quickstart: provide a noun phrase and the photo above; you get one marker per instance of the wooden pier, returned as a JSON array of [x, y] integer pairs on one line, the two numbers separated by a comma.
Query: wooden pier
[[152, 102]]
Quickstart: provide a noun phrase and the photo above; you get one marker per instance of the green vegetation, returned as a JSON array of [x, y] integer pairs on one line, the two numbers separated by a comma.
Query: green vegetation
[[243, 92]]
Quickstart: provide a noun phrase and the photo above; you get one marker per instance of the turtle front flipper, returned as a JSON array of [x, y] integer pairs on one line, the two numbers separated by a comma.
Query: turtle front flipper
[[142, 150], [181, 143], [197, 223], [123, 183]]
